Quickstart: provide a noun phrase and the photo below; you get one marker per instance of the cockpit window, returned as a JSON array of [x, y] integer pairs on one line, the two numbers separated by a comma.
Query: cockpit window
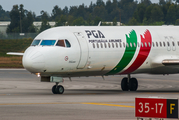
[[60, 43], [48, 42], [35, 42], [63, 43], [67, 43]]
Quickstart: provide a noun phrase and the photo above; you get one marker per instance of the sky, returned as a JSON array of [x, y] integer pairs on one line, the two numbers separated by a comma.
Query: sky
[[46, 5]]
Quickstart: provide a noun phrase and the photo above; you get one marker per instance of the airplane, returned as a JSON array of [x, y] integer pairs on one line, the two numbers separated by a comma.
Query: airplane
[[75, 51]]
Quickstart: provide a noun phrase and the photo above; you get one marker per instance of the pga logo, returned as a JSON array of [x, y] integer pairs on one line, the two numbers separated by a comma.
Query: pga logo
[[94, 33]]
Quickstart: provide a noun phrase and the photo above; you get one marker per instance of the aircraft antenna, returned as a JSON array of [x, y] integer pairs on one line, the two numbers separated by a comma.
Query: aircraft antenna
[[99, 23]]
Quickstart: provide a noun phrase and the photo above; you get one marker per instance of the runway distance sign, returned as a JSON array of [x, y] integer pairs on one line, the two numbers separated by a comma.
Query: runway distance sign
[[156, 108]]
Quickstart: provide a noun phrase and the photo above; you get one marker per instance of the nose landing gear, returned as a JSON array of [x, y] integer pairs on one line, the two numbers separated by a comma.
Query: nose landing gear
[[129, 83], [57, 89]]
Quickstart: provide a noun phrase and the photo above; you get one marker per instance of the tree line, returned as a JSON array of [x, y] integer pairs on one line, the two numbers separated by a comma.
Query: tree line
[[129, 12], [166, 12]]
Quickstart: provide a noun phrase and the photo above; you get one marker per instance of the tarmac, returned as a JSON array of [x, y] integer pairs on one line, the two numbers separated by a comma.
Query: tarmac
[[24, 97]]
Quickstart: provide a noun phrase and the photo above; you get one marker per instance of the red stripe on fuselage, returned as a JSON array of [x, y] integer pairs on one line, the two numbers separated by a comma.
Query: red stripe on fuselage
[[143, 53]]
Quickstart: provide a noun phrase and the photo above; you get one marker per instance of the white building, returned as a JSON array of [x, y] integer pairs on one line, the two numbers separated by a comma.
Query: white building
[[4, 25]]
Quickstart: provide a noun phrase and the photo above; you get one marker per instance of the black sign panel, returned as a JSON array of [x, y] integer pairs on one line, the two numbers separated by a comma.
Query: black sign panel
[[172, 108]]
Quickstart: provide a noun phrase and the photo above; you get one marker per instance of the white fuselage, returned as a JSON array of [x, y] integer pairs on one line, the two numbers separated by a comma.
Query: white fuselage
[[102, 51]]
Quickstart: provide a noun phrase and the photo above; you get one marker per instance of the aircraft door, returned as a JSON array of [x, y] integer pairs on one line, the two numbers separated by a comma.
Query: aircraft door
[[168, 43], [173, 43], [83, 50]]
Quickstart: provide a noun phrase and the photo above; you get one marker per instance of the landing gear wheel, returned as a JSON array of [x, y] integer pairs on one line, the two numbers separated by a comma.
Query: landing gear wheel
[[124, 84], [133, 84], [54, 89], [60, 89]]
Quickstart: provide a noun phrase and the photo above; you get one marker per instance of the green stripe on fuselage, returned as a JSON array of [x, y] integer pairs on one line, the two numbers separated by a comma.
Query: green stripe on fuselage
[[128, 54]]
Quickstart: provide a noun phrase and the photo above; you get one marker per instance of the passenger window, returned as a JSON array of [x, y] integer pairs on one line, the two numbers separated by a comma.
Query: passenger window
[[109, 45], [124, 44], [120, 44], [113, 45], [153, 44], [164, 44], [105, 45], [127, 44], [116, 45], [142, 45], [68, 45], [157, 44], [160, 44], [145, 44], [93, 45], [60, 43], [178, 43], [168, 43], [149, 44], [131, 44], [97, 45], [134, 45], [173, 43], [138, 44], [101, 45]]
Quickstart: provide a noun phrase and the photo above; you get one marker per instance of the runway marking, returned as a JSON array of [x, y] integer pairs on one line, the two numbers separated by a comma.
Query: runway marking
[[158, 92], [12, 69], [166, 80], [104, 104], [3, 104]]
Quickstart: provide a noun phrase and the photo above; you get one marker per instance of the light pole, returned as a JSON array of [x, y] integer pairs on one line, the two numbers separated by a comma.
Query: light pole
[[120, 16], [20, 23]]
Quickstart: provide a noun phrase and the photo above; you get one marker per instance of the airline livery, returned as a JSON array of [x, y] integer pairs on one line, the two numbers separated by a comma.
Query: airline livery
[[75, 51]]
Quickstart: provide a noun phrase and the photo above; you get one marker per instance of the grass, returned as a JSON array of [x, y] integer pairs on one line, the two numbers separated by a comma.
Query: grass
[[12, 45], [11, 62]]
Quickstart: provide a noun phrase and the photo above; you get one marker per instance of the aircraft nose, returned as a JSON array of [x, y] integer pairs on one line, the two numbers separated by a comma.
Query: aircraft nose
[[33, 61]]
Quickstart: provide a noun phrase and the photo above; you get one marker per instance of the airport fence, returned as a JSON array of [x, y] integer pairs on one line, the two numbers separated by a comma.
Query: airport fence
[[18, 35]]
